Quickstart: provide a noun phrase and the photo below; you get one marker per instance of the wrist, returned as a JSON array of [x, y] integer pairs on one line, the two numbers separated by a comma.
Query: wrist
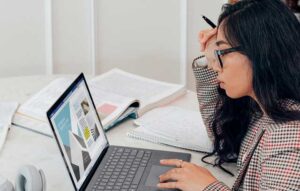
[[200, 62]]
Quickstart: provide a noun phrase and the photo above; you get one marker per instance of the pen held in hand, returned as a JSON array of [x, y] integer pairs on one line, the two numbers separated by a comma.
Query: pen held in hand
[[209, 22]]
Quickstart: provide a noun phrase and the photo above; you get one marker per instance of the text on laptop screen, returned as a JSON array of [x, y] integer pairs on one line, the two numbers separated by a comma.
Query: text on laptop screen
[[79, 132]]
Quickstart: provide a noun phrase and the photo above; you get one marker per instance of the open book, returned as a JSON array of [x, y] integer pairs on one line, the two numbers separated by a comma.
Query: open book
[[117, 94], [173, 126]]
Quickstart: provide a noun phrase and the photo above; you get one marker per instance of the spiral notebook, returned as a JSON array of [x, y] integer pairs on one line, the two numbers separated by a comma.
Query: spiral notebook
[[173, 126]]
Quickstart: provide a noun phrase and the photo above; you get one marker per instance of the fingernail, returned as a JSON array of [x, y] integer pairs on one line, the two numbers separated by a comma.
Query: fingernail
[[162, 160], [158, 185]]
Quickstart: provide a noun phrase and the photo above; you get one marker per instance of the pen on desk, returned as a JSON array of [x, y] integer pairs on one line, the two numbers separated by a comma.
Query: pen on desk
[[209, 22]]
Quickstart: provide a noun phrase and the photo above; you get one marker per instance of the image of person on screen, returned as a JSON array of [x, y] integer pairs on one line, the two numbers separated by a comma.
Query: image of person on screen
[[249, 98]]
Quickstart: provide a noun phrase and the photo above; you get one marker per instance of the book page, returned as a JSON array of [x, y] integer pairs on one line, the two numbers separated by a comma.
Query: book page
[[37, 106], [7, 110], [32, 114], [181, 127], [109, 105], [147, 91]]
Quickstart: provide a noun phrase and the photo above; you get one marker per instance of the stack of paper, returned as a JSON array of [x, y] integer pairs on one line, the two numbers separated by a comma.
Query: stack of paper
[[173, 126], [7, 110]]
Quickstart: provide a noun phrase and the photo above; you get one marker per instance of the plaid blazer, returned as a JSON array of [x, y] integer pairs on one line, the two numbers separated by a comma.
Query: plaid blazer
[[269, 156]]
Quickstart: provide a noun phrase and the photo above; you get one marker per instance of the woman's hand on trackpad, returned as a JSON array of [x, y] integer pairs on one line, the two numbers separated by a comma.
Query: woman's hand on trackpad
[[186, 176]]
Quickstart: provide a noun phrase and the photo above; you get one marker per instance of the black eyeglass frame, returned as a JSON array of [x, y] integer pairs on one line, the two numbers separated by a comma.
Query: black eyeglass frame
[[219, 53]]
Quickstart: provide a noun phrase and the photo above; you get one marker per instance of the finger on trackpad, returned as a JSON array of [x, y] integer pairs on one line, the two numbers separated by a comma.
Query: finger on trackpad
[[155, 172]]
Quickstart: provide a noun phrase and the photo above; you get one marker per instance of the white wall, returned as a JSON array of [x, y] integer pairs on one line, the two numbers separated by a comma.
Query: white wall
[[71, 26], [153, 38], [196, 9], [22, 37], [143, 37]]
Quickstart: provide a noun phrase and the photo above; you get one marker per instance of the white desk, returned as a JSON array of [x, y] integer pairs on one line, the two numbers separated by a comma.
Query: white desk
[[26, 147]]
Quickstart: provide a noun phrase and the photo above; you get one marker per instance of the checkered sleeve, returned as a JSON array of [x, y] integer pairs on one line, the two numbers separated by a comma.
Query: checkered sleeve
[[207, 94], [217, 186], [281, 158], [281, 172]]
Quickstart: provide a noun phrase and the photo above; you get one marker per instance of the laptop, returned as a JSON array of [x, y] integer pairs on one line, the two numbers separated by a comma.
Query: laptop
[[92, 163]]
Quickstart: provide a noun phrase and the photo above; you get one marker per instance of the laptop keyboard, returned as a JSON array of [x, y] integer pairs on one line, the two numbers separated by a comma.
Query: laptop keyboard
[[123, 170]]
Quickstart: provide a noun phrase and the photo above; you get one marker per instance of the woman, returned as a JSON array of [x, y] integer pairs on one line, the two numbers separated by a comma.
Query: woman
[[249, 98]]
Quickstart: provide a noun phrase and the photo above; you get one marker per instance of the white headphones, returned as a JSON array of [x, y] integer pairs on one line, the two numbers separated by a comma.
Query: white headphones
[[28, 179]]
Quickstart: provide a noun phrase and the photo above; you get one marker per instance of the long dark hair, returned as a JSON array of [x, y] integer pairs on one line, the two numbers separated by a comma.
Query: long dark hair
[[269, 34]]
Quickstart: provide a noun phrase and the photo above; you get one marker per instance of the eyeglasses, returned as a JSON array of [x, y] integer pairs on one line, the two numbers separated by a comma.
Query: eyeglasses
[[219, 53]]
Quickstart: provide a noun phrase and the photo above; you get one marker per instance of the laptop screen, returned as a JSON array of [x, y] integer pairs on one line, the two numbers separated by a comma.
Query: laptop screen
[[78, 131]]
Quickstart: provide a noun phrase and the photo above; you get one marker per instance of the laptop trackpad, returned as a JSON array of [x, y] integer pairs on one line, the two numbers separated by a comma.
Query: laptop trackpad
[[155, 172]]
